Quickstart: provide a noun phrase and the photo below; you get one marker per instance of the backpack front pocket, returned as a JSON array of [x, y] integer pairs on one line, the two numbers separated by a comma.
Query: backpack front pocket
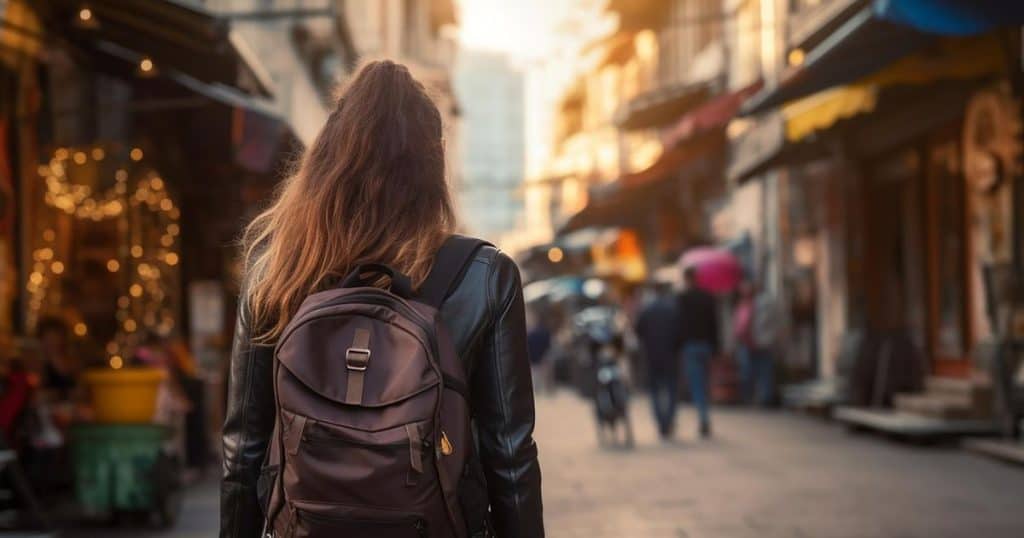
[[327, 462], [316, 520]]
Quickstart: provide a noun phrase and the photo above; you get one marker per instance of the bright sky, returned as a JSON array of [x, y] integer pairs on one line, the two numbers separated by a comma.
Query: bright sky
[[523, 28]]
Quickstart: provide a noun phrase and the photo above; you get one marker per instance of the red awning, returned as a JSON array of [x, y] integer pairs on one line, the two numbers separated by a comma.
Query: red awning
[[657, 108], [633, 195], [715, 113], [677, 157]]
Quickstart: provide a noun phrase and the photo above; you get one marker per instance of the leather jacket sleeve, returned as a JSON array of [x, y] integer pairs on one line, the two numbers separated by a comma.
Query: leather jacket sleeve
[[502, 402], [504, 410], [248, 424]]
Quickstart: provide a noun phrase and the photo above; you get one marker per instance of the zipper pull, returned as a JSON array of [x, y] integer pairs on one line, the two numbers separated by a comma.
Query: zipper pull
[[447, 449]]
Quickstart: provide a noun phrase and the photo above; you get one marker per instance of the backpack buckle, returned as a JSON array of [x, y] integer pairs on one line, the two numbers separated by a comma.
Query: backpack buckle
[[357, 358]]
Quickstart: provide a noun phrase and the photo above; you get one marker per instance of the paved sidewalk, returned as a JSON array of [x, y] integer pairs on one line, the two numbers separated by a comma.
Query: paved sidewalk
[[764, 475]]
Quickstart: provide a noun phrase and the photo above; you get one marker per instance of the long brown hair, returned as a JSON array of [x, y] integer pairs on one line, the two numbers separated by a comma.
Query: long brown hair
[[371, 188]]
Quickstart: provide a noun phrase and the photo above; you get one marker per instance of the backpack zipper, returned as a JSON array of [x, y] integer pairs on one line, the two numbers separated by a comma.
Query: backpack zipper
[[417, 522], [322, 435]]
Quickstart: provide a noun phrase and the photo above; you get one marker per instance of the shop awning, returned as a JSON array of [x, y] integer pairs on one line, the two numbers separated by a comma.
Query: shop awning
[[632, 194], [713, 114], [952, 17], [258, 133], [951, 59], [675, 158], [119, 61], [173, 35], [862, 45], [880, 34], [780, 135], [661, 106]]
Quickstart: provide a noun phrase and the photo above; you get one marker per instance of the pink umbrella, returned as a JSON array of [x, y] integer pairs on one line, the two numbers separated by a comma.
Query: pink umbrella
[[718, 270]]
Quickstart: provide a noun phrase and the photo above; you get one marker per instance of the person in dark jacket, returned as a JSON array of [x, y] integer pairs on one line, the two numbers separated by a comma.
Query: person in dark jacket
[[371, 188], [538, 343], [699, 338], [657, 327]]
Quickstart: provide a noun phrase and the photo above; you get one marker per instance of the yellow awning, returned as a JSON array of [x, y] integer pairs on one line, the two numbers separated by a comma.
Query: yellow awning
[[957, 58]]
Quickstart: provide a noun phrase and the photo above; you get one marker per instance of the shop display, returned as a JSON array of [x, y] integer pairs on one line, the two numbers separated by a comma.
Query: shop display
[[108, 224]]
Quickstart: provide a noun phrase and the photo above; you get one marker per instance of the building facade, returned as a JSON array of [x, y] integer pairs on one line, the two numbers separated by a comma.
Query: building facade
[[873, 228]]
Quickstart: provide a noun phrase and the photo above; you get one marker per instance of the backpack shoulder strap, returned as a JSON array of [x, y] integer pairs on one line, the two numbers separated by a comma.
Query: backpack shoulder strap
[[450, 264]]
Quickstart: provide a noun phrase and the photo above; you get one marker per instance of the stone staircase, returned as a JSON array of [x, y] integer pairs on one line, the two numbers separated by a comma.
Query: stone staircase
[[950, 398]]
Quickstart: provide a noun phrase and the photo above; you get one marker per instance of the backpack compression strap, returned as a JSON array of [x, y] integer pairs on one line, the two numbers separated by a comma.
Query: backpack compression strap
[[450, 265]]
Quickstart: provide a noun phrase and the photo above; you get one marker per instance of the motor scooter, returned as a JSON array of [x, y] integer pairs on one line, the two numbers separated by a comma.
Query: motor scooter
[[611, 386]]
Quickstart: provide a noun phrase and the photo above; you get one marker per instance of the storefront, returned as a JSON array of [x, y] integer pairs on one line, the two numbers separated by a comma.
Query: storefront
[[667, 207], [906, 239], [131, 165]]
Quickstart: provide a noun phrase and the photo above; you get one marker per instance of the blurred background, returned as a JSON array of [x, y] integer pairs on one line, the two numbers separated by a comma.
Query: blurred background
[[842, 177]]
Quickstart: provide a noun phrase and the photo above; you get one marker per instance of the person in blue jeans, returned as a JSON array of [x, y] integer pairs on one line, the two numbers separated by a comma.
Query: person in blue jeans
[[756, 329], [657, 328], [699, 340]]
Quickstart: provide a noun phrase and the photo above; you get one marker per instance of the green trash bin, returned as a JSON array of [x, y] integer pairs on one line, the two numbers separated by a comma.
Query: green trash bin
[[124, 468]]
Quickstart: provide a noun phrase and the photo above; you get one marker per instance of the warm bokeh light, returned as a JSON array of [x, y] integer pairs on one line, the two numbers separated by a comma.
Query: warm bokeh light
[[530, 29], [731, 233]]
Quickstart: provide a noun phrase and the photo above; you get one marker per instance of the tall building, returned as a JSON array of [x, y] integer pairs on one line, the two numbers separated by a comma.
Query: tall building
[[491, 94]]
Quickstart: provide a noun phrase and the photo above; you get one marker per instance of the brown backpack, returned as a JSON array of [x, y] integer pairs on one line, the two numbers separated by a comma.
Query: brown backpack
[[373, 435]]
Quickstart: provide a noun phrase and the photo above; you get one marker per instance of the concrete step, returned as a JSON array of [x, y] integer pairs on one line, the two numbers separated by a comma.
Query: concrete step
[[942, 406], [913, 425], [931, 406], [977, 388]]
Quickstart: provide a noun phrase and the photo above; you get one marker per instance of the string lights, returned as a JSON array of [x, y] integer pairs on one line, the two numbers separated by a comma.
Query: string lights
[[147, 257], [39, 280]]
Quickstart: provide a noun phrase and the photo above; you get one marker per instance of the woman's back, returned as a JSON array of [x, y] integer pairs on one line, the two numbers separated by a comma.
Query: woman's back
[[371, 189]]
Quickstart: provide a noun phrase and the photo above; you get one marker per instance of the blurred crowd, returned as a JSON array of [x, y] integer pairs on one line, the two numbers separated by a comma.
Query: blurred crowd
[[677, 342]]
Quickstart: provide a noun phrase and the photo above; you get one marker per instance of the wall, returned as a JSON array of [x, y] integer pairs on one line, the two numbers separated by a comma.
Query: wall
[[296, 96]]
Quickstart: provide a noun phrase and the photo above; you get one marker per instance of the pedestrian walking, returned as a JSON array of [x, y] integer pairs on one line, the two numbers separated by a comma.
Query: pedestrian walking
[[756, 327], [699, 338], [538, 341], [657, 327], [742, 328], [349, 277]]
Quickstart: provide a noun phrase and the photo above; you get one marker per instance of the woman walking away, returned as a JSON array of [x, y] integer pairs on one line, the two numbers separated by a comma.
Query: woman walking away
[[380, 381]]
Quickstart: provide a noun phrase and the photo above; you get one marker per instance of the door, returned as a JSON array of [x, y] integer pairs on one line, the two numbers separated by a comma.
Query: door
[[949, 334], [895, 247]]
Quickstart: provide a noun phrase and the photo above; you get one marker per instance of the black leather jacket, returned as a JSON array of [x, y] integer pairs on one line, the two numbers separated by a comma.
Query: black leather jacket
[[485, 316]]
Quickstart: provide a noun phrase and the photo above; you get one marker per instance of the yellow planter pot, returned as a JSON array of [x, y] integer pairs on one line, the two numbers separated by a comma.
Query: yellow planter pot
[[124, 396]]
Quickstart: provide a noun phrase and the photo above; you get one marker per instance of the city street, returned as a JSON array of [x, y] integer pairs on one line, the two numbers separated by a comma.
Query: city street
[[815, 202], [764, 475]]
